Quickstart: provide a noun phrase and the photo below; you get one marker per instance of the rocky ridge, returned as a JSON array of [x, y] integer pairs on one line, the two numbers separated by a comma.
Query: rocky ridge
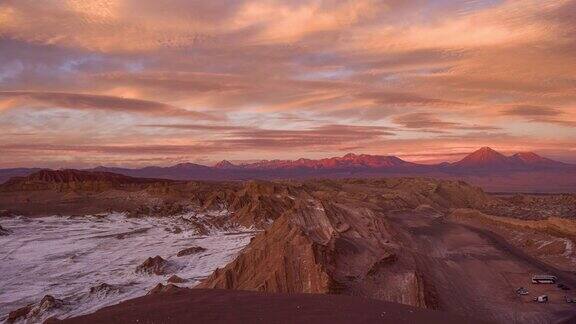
[[335, 239]]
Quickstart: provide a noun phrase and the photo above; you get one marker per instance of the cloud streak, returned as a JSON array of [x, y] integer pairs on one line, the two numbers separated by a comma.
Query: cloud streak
[[532, 111], [431, 123], [16, 99]]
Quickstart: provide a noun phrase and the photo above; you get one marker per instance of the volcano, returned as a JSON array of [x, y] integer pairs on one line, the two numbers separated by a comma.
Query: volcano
[[488, 159]]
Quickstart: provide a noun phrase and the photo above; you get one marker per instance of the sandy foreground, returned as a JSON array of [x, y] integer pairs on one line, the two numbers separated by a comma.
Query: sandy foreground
[[232, 306]]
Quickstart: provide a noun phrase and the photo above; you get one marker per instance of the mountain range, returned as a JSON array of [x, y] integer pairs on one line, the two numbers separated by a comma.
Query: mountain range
[[484, 159], [525, 171]]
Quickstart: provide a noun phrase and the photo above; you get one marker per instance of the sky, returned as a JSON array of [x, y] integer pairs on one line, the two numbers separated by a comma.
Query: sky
[[145, 82]]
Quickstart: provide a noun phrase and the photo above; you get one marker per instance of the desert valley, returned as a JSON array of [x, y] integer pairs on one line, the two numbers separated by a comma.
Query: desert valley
[[76, 241]]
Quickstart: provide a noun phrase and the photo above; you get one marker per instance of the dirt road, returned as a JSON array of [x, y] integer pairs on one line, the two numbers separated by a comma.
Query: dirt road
[[471, 271]]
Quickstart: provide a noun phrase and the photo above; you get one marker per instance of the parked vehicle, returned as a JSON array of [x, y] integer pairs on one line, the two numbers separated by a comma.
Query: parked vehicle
[[570, 299], [522, 291], [541, 299], [544, 279]]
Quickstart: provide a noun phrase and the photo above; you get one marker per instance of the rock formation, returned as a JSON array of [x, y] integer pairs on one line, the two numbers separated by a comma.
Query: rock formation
[[19, 313], [74, 180], [163, 289], [175, 279], [104, 289], [155, 265], [334, 239], [191, 250], [35, 312]]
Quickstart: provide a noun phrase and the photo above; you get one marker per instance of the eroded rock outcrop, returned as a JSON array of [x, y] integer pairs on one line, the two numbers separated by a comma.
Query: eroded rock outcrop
[[74, 180], [19, 313], [320, 247], [293, 263], [175, 279], [333, 237], [156, 265], [35, 312], [191, 250]]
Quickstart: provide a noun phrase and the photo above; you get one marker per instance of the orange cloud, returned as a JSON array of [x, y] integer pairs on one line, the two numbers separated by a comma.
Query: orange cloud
[[265, 78]]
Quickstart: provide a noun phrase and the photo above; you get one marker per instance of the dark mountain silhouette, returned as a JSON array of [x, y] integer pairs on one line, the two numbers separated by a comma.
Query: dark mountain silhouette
[[348, 161], [182, 171]]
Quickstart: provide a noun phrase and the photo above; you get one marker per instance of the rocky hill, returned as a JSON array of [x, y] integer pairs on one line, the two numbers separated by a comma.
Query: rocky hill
[[396, 240], [335, 239]]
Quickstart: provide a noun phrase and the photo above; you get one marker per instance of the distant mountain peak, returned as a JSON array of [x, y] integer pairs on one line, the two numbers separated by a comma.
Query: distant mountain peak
[[489, 159], [486, 150], [485, 153], [225, 164], [484, 157]]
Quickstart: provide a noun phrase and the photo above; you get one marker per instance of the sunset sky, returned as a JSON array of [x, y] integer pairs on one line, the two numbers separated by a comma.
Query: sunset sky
[[147, 82]]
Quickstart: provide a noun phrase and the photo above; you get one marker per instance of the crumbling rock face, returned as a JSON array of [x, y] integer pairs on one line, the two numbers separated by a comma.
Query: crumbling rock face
[[283, 259], [258, 203], [334, 237], [156, 265], [34, 312]]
